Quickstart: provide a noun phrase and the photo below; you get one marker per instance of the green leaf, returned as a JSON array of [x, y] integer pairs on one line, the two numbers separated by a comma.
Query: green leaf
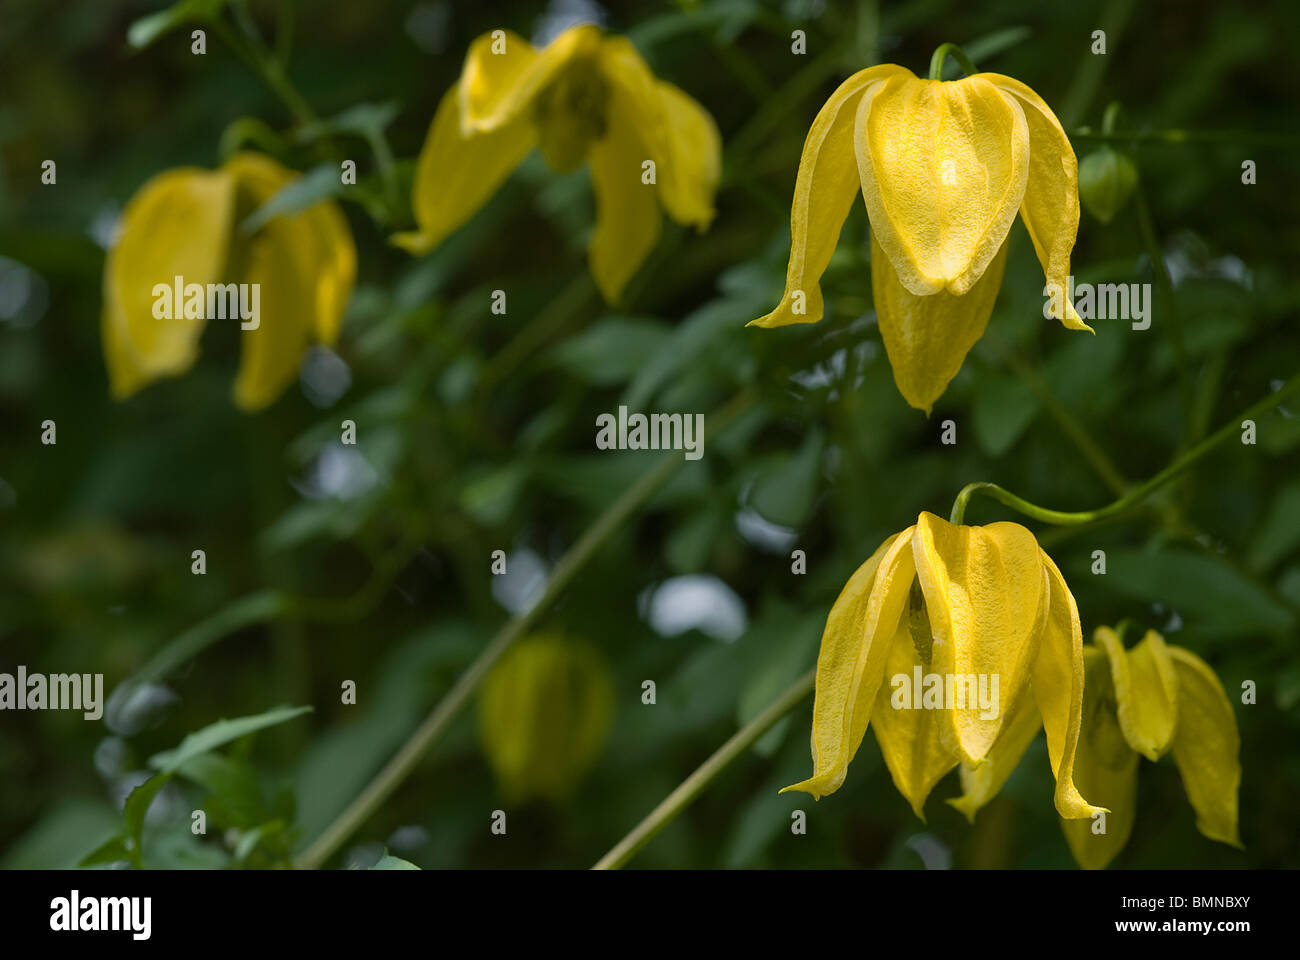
[[231, 783], [317, 184], [1206, 592], [612, 351], [1004, 409], [147, 29], [390, 862], [220, 733], [113, 850], [785, 494], [137, 806], [1279, 534]]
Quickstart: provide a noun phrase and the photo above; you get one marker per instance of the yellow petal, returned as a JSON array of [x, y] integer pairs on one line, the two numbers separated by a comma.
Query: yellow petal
[[1058, 690], [912, 739], [984, 592], [1105, 768], [851, 664], [1207, 747], [455, 175], [824, 191], [503, 74], [628, 220], [927, 338], [1146, 691], [304, 265], [980, 783], [943, 168], [1050, 208], [679, 135], [177, 224]]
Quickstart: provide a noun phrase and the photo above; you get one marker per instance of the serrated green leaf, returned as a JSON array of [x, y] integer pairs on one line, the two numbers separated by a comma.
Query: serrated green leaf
[[220, 733]]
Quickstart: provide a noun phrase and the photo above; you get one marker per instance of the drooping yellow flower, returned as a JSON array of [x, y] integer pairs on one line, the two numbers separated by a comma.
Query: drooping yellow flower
[[588, 98], [1148, 701], [185, 223], [544, 714], [962, 609], [943, 166]]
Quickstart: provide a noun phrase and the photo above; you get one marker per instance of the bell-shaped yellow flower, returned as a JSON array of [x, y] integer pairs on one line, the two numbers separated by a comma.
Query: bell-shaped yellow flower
[[1148, 701], [585, 97], [964, 610], [944, 166], [544, 714], [185, 223]]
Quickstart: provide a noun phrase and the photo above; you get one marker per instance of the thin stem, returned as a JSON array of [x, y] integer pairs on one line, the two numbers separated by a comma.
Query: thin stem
[[1138, 493], [1175, 136], [945, 50], [706, 773], [436, 723]]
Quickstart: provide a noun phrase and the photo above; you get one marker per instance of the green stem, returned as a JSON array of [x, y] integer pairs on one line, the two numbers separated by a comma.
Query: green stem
[[436, 723], [945, 50], [706, 773], [1175, 136], [1138, 493]]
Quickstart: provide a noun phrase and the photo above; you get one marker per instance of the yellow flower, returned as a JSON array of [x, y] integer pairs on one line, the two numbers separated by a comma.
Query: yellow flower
[[544, 714], [1148, 701], [186, 223], [944, 166], [964, 609], [585, 97]]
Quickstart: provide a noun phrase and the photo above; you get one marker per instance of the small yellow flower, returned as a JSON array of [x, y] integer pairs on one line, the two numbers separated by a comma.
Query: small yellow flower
[[944, 166], [1148, 701], [544, 714], [958, 603], [185, 223], [587, 98]]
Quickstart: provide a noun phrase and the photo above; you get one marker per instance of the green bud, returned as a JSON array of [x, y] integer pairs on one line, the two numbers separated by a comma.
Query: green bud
[[1106, 181]]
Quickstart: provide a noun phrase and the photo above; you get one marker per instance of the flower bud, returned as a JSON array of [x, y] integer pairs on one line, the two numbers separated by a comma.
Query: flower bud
[[1106, 181], [544, 714]]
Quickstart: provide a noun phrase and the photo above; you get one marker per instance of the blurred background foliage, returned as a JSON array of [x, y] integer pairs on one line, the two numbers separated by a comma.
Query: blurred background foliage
[[475, 433]]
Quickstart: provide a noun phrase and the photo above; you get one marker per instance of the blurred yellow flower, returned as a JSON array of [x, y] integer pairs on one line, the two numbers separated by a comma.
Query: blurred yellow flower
[[944, 166], [1148, 701], [544, 714], [185, 223], [965, 609], [585, 97]]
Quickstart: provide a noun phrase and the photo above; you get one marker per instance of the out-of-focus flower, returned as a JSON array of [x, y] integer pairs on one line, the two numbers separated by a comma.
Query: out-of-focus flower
[[1149, 701], [944, 166], [544, 715], [185, 223], [947, 613], [587, 98]]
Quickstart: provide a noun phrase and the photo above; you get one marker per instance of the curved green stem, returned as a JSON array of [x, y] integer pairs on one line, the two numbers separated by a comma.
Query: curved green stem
[[945, 50], [694, 785], [436, 723], [1138, 493]]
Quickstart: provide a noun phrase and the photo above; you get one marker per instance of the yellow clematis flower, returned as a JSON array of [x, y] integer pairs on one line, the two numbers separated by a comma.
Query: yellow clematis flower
[[185, 223], [1148, 701], [966, 605], [588, 98], [943, 166], [544, 714]]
